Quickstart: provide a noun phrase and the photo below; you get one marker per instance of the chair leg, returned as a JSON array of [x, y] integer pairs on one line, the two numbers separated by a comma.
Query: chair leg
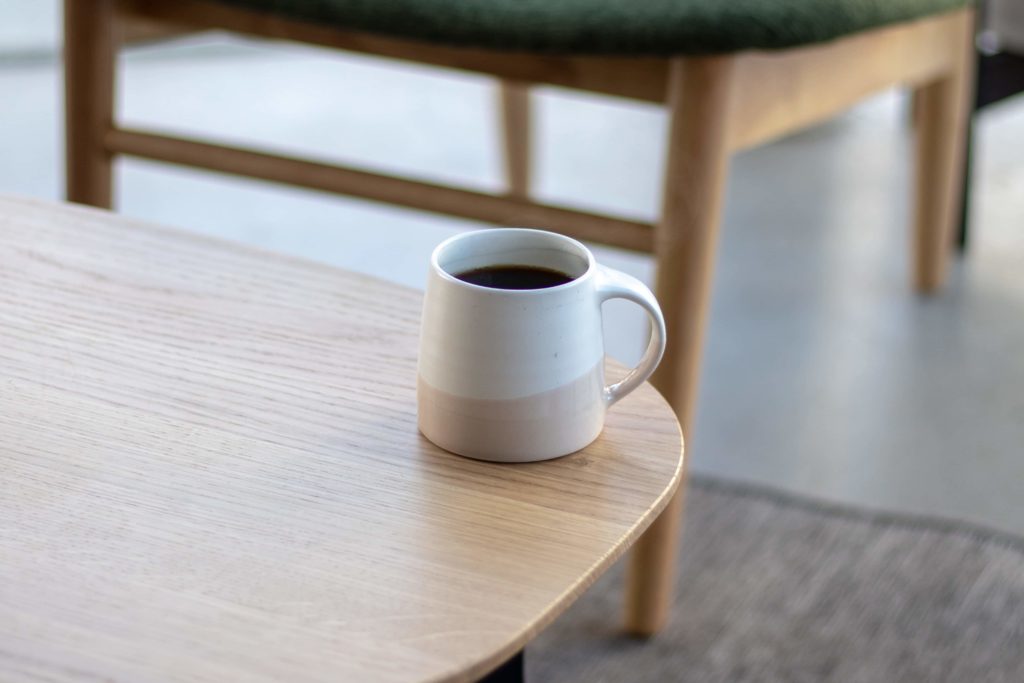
[[89, 49], [700, 97], [941, 116], [515, 121], [965, 184]]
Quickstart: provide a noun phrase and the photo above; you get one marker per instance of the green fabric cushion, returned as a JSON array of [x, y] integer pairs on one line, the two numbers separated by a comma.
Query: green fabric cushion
[[614, 27]]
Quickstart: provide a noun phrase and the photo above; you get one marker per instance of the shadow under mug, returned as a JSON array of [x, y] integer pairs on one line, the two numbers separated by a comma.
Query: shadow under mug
[[517, 375]]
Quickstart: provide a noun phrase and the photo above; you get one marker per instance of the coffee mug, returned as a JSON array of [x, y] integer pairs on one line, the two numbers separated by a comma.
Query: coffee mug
[[517, 374]]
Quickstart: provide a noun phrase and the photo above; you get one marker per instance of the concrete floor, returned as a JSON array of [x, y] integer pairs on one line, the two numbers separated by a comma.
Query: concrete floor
[[823, 374]]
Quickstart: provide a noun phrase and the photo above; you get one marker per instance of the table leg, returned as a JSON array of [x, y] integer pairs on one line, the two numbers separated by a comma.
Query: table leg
[[512, 671]]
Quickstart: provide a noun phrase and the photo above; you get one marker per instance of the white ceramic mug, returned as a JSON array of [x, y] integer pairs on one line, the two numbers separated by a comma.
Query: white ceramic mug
[[517, 375]]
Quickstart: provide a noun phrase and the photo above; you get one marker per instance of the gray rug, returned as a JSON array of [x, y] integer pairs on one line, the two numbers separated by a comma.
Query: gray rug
[[774, 588]]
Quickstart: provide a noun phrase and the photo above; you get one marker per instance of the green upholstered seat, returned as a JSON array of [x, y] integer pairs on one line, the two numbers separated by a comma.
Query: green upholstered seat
[[611, 27]]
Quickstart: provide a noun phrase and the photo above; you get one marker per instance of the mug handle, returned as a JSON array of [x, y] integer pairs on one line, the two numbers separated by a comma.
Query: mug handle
[[614, 284]]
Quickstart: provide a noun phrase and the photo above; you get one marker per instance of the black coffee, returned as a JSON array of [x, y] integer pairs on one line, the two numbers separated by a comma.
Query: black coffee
[[514, 277]]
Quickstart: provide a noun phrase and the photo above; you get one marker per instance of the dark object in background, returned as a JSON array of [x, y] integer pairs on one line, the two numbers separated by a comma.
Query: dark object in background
[[1000, 75]]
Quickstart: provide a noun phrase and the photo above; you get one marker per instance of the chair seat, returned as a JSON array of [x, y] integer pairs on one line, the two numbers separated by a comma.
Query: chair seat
[[610, 27]]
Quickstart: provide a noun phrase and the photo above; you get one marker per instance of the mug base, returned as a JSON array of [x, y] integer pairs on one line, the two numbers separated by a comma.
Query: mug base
[[506, 455]]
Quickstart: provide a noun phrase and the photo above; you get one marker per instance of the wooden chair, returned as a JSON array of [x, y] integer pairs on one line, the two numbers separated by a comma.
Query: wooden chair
[[733, 76]]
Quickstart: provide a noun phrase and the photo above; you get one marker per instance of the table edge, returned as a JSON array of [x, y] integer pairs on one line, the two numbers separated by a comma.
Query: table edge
[[562, 603]]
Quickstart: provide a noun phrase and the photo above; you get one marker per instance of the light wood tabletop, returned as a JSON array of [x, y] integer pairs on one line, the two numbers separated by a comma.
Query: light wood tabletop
[[210, 471]]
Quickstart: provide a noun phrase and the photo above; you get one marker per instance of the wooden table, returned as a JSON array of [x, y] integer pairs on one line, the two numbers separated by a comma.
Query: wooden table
[[210, 471]]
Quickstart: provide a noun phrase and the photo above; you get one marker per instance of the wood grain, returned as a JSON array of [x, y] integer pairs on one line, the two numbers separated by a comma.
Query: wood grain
[[784, 91], [89, 55], [701, 104], [941, 114], [453, 201], [210, 471], [516, 133]]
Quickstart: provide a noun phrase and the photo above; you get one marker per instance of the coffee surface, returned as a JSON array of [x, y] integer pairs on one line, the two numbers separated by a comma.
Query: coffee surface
[[514, 277]]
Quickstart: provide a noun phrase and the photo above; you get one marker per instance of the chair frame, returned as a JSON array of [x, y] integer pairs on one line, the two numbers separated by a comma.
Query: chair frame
[[718, 105]]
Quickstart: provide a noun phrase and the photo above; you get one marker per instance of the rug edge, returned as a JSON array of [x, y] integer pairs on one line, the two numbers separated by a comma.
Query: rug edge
[[865, 514]]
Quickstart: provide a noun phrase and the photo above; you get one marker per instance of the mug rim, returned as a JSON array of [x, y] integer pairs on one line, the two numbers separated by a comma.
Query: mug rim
[[579, 248]]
